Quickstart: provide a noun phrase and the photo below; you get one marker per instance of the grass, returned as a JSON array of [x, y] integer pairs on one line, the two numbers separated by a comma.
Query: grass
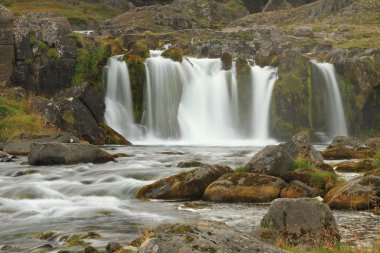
[[17, 116], [302, 164], [82, 13], [240, 169], [376, 160]]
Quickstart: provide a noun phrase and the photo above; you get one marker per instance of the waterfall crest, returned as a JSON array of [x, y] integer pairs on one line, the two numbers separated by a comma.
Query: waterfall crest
[[193, 103], [326, 82]]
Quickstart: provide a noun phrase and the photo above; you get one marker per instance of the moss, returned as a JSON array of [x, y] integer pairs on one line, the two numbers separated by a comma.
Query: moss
[[241, 169], [174, 53], [90, 62], [137, 77], [112, 137], [68, 117], [139, 48], [53, 53], [44, 235], [376, 160]]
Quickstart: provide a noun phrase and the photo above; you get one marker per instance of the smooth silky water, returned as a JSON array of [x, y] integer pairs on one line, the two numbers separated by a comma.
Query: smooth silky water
[[86, 197]]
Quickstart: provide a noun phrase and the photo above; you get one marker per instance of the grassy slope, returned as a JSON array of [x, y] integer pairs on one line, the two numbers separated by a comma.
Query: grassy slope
[[82, 14]]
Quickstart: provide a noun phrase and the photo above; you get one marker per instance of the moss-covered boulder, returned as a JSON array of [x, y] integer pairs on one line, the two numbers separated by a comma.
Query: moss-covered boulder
[[340, 152], [321, 181], [244, 187], [140, 48], [297, 189], [112, 137], [174, 53], [358, 194], [190, 164], [355, 166], [184, 186], [373, 143]]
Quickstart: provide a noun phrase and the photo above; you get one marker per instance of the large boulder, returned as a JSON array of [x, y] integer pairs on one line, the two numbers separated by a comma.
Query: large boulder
[[358, 194], [343, 147], [184, 186], [200, 236], [244, 187], [66, 153], [297, 189], [22, 147], [272, 160], [6, 45], [79, 111], [355, 166], [347, 142], [302, 221]]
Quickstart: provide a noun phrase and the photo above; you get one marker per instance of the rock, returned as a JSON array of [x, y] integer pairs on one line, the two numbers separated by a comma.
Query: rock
[[174, 53], [6, 160], [322, 181], [186, 185], [272, 160], [341, 152], [347, 142], [302, 221], [303, 32], [375, 172], [201, 236], [113, 247], [45, 53], [190, 164], [42, 248], [90, 249], [331, 6], [139, 48], [373, 143], [6, 45], [297, 189], [44, 235], [358, 194], [299, 146], [275, 5], [22, 147], [3, 154], [226, 61], [64, 153], [355, 166], [244, 187]]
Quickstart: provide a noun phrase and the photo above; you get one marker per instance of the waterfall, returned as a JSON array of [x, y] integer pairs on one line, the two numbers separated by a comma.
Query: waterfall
[[326, 81], [194, 102], [118, 99], [263, 83]]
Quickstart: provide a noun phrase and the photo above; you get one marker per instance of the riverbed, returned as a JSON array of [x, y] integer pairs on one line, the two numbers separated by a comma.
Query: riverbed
[[86, 197]]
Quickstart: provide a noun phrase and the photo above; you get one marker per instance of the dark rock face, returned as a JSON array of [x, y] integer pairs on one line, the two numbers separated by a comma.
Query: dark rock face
[[202, 236], [330, 6], [150, 2], [255, 6], [358, 194], [187, 185], [79, 111], [244, 187], [63, 153], [7, 54], [272, 160], [45, 53], [373, 143], [274, 5], [306, 221]]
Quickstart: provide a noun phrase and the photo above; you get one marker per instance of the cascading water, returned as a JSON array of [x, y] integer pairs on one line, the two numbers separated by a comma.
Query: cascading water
[[195, 102], [326, 81], [118, 100]]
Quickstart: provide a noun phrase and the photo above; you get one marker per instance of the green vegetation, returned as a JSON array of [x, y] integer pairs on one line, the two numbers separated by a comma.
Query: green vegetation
[[302, 164], [53, 53], [91, 59], [376, 160], [79, 13], [241, 169], [174, 53], [17, 116]]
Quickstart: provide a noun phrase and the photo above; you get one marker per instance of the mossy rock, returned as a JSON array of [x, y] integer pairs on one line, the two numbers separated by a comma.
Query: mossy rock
[[355, 166], [113, 137], [174, 53], [358, 194], [374, 172], [339, 153], [139, 48]]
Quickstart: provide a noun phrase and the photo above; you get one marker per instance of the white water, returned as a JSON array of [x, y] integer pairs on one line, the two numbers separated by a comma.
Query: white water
[[336, 120], [118, 100], [195, 102]]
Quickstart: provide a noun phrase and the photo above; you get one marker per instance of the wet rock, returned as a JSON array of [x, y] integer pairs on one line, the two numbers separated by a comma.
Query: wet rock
[[22, 147], [7, 247], [174, 53], [356, 166], [272, 160], [201, 236], [190, 164], [113, 247], [302, 221], [63, 153], [90, 249], [299, 146], [347, 142], [226, 61], [373, 143], [358, 194], [321, 181], [186, 185], [244, 187], [341, 152], [44, 235], [6, 160], [3, 154], [297, 189], [375, 172], [42, 248]]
